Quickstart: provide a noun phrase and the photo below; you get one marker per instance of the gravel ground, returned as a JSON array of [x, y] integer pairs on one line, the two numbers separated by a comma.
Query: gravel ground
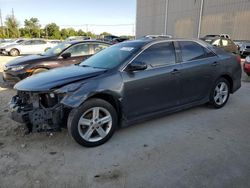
[[199, 147]]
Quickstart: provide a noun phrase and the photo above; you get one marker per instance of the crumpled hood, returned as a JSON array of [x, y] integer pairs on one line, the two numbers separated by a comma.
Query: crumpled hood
[[57, 77], [25, 60]]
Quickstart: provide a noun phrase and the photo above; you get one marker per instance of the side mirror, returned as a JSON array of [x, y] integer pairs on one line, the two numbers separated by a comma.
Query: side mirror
[[136, 66], [66, 55]]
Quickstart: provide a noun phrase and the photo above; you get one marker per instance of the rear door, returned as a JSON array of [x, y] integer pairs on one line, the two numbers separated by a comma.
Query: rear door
[[156, 88], [198, 71]]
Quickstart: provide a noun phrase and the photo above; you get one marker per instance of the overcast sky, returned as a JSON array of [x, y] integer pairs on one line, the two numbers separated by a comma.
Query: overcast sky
[[77, 13]]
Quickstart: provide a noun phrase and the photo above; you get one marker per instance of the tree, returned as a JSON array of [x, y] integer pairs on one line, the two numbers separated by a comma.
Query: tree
[[32, 27], [2, 32], [105, 33], [90, 34], [71, 32], [81, 33], [12, 27], [64, 33], [52, 31]]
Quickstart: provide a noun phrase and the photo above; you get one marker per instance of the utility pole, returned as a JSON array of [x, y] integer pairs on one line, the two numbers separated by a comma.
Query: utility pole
[[200, 18], [1, 21]]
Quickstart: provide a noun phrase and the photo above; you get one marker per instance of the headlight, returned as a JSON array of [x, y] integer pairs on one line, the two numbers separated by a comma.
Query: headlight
[[69, 88], [16, 68]]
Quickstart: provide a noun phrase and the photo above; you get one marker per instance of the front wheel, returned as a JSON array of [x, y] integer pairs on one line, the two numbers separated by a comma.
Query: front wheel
[[220, 93], [93, 123], [14, 52], [39, 70]]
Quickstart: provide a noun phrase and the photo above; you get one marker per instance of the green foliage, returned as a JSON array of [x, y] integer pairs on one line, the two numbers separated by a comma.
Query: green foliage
[[52, 31], [81, 33], [2, 32], [12, 27], [32, 28], [105, 34]]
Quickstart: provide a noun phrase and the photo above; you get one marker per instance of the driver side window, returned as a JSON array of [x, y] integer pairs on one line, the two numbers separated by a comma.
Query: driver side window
[[160, 54], [78, 50]]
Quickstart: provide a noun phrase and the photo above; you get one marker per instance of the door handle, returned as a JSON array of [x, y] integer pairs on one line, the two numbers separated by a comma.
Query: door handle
[[175, 71], [215, 64]]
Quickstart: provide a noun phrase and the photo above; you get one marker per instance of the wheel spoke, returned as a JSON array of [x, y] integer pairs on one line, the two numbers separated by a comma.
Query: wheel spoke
[[84, 121], [217, 89], [95, 112], [222, 87], [105, 119], [88, 133], [101, 132], [216, 97], [224, 93], [220, 100]]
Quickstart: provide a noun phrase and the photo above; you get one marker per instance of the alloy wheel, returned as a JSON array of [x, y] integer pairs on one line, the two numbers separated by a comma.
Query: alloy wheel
[[95, 124], [221, 93]]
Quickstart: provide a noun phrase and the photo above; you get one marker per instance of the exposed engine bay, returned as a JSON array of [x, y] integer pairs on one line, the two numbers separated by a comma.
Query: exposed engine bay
[[40, 112]]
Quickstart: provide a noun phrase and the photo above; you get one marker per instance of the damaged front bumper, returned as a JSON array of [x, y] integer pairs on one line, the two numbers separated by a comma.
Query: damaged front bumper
[[39, 111]]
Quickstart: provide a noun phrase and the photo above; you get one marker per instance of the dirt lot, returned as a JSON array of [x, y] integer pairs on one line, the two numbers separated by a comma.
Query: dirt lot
[[199, 147]]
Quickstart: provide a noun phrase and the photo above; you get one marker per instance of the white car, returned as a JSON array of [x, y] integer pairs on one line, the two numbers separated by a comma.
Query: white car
[[32, 46], [14, 41]]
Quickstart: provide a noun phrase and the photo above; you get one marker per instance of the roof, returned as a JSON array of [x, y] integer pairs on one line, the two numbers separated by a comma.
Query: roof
[[84, 41]]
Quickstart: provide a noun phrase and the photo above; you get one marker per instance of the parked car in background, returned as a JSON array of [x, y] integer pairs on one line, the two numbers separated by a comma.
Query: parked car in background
[[226, 44], [11, 42], [209, 38], [55, 41], [246, 65], [32, 46], [67, 53], [114, 39], [126, 83], [245, 49], [77, 38]]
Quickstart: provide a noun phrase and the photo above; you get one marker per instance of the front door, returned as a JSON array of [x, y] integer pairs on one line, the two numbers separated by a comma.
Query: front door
[[156, 88]]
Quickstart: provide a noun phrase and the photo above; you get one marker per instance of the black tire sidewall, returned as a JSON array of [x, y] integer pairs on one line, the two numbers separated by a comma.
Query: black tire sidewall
[[76, 113], [211, 98]]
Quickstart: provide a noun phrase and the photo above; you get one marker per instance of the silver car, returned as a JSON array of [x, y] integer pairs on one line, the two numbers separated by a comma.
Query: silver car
[[32, 46]]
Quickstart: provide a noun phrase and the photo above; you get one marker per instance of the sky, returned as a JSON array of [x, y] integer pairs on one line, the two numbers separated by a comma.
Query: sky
[[89, 15]]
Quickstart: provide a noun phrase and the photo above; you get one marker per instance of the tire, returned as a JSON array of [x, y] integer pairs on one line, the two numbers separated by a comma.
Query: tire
[[220, 93], [248, 74], [14, 52], [39, 70], [91, 132]]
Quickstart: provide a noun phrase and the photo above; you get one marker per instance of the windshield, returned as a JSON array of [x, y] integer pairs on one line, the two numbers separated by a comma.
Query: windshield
[[56, 50], [113, 56]]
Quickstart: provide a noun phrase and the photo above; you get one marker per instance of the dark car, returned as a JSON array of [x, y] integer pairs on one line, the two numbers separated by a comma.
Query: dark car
[[65, 54], [126, 83], [226, 44], [114, 39], [246, 65]]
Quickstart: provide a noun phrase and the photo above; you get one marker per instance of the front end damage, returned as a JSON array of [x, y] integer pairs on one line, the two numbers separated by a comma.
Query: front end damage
[[40, 112]]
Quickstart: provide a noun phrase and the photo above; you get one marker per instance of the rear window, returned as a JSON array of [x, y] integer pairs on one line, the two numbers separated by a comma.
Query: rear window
[[192, 51]]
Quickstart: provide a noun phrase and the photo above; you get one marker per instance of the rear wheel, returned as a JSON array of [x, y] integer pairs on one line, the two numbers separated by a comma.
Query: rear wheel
[[14, 52], [93, 123], [220, 93], [39, 70]]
